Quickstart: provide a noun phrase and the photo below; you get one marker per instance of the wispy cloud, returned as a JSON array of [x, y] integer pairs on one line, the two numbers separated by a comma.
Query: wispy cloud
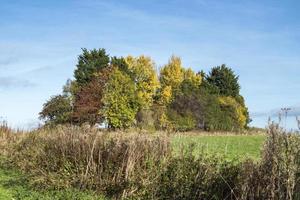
[[7, 60], [12, 82], [38, 70]]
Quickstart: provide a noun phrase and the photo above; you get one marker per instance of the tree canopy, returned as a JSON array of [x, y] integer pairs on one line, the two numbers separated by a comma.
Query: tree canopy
[[128, 92], [120, 103], [224, 80], [57, 110], [89, 63]]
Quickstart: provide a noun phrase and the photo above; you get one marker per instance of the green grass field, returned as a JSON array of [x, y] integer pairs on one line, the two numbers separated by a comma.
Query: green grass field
[[229, 146]]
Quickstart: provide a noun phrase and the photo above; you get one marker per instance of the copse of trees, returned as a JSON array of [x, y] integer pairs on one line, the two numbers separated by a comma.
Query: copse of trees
[[128, 92]]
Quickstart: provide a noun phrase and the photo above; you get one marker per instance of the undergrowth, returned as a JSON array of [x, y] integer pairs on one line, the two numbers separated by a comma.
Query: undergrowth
[[141, 166]]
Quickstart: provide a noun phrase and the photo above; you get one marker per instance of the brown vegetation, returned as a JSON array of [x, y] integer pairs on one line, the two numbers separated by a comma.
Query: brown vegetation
[[142, 166]]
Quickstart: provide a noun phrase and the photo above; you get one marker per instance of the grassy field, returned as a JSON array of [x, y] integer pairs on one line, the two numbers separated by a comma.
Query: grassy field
[[230, 146], [13, 186]]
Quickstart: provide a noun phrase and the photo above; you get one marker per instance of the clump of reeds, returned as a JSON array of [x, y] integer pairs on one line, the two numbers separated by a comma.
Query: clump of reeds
[[113, 163], [7, 136], [277, 175]]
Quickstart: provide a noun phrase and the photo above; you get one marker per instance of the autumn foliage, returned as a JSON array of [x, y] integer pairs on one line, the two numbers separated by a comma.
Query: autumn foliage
[[124, 92]]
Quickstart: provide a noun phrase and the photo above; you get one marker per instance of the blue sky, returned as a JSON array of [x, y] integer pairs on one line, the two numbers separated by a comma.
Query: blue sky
[[40, 42]]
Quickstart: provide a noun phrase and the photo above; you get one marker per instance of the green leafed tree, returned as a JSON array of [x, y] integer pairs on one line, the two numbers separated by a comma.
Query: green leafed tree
[[224, 80], [186, 111], [120, 106], [89, 64], [57, 110]]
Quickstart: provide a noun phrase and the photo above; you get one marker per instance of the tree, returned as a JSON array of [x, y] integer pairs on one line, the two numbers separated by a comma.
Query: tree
[[186, 111], [190, 75], [91, 75], [177, 94], [240, 99], [120, 106], [239, 111], [89, 63], [224, 80], [57, 110], [88, 100], [70, 89], [142, 71], [183, 112], [171, 76], [127, 91], [145, 119]]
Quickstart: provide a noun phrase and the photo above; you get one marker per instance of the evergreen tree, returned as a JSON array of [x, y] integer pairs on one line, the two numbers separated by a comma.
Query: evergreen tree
[[224, 80], [89, 64]]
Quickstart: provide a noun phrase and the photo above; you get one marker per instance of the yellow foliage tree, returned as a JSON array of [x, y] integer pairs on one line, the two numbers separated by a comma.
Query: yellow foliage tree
[[171, 76], [190, 75], [166, 94], [238, 108], [142, 71]]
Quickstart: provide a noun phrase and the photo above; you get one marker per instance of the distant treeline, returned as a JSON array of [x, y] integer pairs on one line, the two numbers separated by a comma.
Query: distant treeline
[[124, 92]]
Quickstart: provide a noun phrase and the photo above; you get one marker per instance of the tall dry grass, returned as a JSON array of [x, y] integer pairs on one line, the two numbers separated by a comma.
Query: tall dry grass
[[8, 136], [277, 176], [142, 166], [116, 164]]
